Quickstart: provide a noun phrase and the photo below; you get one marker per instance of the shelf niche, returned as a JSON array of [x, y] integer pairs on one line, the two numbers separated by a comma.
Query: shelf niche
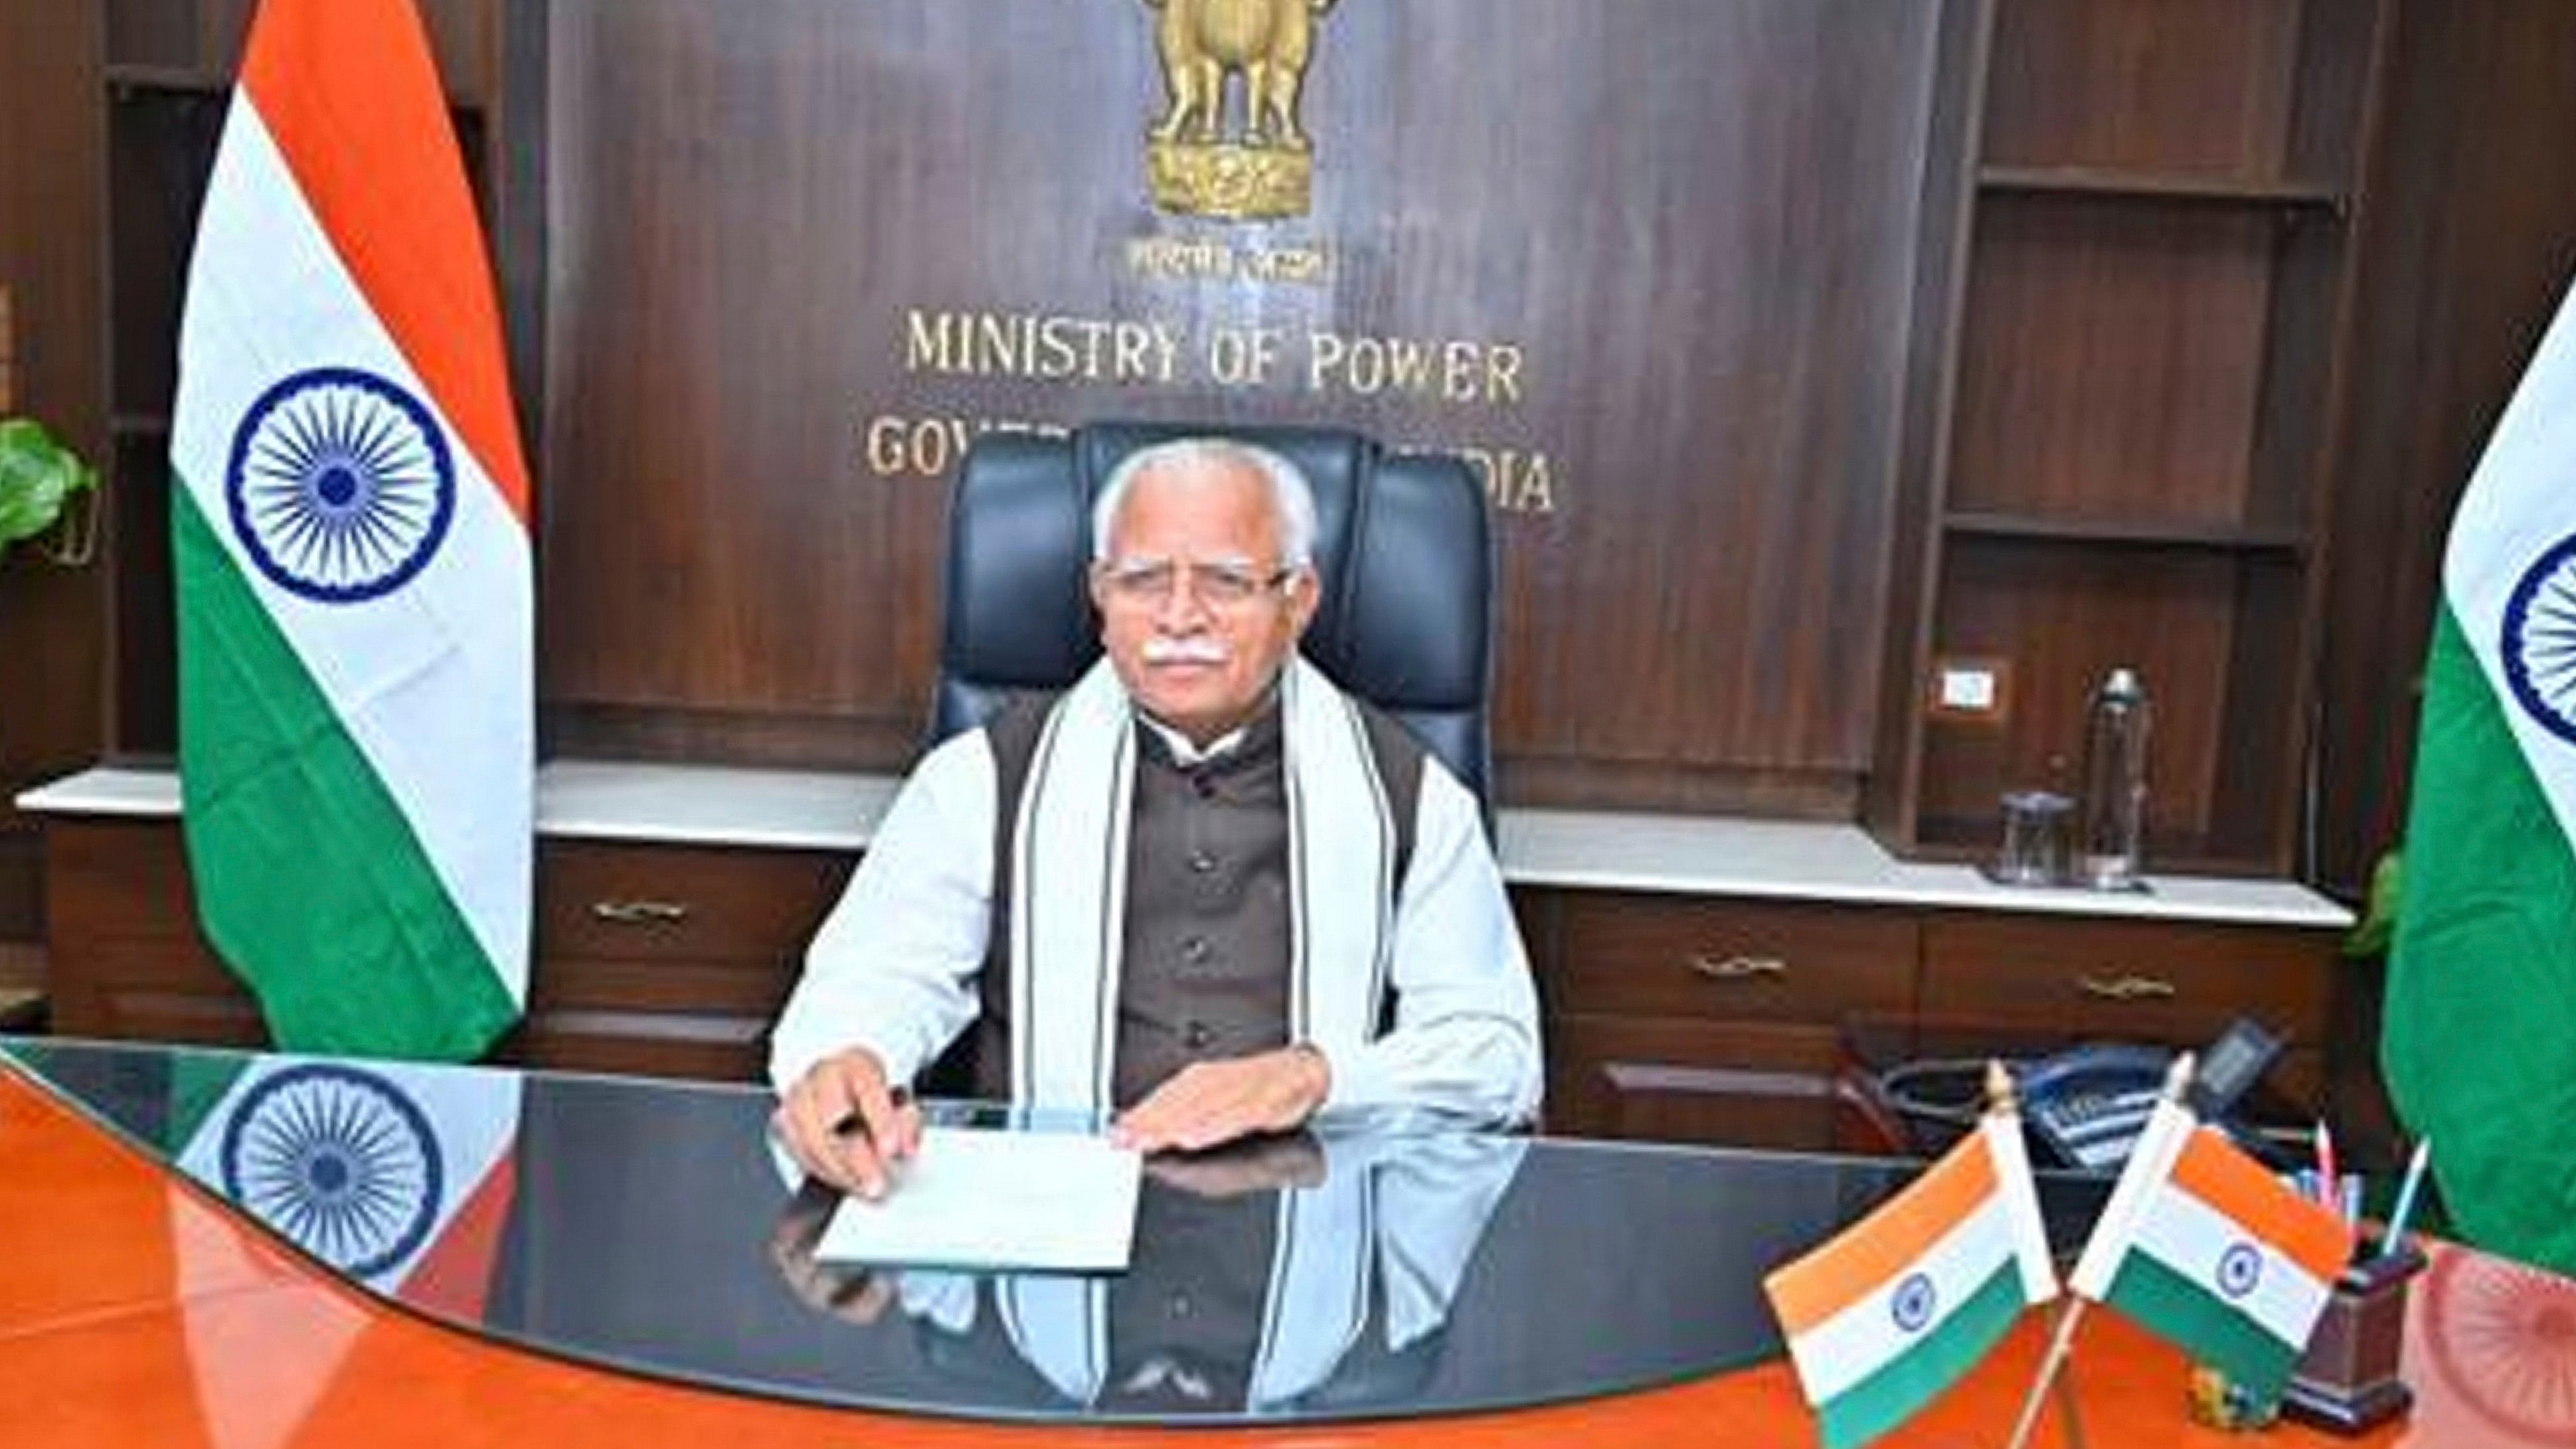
[[2128, 432]]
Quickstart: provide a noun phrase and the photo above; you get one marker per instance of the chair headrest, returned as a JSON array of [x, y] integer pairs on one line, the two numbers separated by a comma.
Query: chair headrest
[[1402, 547]]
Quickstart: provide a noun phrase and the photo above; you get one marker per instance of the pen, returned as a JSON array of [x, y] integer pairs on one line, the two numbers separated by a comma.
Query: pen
[[2326, 1175], [2396, 1230]]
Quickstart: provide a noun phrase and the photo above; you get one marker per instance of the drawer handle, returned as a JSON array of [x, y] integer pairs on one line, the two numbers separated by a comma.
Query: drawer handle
[[640, 913], [1739, 968], [2125, 988]]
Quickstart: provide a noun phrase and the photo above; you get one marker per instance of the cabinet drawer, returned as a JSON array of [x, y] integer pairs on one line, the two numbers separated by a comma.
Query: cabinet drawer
[[2154, 980], [119, 880], [1659, 956], [682, 903]]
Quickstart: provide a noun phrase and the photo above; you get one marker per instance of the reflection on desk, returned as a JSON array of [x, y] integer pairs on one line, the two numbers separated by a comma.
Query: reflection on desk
[[1403, 1278], [637, 1224]]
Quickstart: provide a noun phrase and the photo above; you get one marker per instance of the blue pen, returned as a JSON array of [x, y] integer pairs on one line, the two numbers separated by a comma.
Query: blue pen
[[2406, 1190]]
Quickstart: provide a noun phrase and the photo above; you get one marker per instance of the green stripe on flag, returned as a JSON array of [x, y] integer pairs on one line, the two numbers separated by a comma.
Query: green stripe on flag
[[1915, 1377], [309, 879], [2485, 953], [2201, 1323], [198, 1080]]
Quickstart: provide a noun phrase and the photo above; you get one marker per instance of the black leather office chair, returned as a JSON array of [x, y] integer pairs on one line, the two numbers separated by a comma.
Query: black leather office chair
[[1402, 548]]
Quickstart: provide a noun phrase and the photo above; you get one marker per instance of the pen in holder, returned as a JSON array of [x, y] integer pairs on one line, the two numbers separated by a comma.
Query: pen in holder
[[2347, 1380]]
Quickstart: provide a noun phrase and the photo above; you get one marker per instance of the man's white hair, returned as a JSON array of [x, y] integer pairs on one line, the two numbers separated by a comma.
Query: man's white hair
[[1292, 499]]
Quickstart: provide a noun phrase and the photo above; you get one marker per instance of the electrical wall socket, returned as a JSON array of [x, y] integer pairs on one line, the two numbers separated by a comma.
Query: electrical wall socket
[[1970, 689]]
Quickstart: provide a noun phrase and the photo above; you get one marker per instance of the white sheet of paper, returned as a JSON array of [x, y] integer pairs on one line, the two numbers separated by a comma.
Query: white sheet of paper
[[980, 1198]]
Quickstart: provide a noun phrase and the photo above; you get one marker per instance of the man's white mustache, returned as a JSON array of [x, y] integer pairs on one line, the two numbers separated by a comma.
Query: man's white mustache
[[1184, 651]]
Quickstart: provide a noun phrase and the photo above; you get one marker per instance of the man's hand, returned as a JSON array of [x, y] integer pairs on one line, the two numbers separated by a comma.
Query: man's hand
[[1206, 1103], [855, 1294], [1261, 1164], [846, 1126]]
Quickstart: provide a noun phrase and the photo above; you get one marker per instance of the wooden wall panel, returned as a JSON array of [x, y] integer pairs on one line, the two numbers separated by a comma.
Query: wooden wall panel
[[2193, 85], [1681, 233], [2472, 246], [204, 37], [2080, 309], [2067, 619], [51, 626]]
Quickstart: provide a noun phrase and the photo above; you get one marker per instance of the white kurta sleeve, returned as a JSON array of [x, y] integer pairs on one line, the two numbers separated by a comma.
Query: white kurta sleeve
[[893, 967], [1465, 1040]]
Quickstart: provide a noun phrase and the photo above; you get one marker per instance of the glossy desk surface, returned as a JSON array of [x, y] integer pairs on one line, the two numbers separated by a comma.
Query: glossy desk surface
[[618, 1260]]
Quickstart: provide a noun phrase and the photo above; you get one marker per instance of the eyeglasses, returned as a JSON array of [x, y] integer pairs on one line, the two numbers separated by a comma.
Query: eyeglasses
[[1225, 584]]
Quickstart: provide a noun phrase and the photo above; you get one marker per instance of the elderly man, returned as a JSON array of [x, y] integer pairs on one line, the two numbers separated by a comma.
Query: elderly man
[[1202, 888]]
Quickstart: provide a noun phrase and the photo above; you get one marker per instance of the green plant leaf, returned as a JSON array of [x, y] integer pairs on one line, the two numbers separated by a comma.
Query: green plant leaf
[[38, 476], [2379, 917]]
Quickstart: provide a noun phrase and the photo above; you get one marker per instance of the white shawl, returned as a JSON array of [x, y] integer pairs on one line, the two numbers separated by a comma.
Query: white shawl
[[1069, 884]]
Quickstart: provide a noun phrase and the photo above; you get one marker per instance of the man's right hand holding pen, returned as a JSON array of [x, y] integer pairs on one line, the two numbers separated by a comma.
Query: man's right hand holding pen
[[846, 1125]]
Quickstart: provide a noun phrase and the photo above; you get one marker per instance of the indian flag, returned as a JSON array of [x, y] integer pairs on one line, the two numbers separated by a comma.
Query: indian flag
[[2485, 948], [397, 1175], [349, 529], [2203, 1246], [1896, 1309]]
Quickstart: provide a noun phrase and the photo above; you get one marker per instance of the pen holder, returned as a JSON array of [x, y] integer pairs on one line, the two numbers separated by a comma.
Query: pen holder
[[2347, 1380]]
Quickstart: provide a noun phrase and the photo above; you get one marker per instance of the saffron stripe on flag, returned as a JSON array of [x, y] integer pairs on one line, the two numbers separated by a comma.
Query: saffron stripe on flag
[[1816, 1287], [2238, 1188], [428, 681], [1909, 1307], [2195, 1239], [380, 173]]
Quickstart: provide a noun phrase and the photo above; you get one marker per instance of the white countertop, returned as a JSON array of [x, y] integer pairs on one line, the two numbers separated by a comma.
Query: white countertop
[[1677, 854]]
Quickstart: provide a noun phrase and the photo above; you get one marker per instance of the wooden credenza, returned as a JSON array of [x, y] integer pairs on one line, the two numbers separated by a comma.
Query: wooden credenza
[[1759, 1023], [1704, 980]]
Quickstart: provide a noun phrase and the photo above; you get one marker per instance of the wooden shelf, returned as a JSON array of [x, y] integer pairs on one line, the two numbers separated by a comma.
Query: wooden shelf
[[2140, 533], [165, 79], [128, 78], [2135, 445], [2124, 182], [1954, 840]]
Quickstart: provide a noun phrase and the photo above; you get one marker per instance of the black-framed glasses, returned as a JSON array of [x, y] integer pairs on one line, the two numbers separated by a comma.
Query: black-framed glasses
[[1220, 584]]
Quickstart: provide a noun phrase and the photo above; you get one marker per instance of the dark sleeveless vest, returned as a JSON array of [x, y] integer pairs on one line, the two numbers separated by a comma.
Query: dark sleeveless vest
[[1208, 909]]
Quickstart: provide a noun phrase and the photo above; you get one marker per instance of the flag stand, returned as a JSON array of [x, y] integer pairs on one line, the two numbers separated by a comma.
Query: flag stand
[[2059, 1341], [2062, 1339], [2066, 1409]]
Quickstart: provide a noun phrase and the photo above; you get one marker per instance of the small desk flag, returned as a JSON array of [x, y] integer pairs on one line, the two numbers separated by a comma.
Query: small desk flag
[[2202, 1246], [1884, 1317], [349, 540]]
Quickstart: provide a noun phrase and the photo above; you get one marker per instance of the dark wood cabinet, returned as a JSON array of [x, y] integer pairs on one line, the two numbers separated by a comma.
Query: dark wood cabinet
[[660, 960], [2143, 980], [1668, 1016], [1727, 960], [668, 960], [1759, 1023], [127, 960], [1705, 1020]]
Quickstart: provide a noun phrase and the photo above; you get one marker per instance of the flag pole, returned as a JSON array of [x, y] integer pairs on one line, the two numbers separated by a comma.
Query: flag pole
[[2001, 1102], [2062, 1340], [2067, 1413], [2058, 1343]]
